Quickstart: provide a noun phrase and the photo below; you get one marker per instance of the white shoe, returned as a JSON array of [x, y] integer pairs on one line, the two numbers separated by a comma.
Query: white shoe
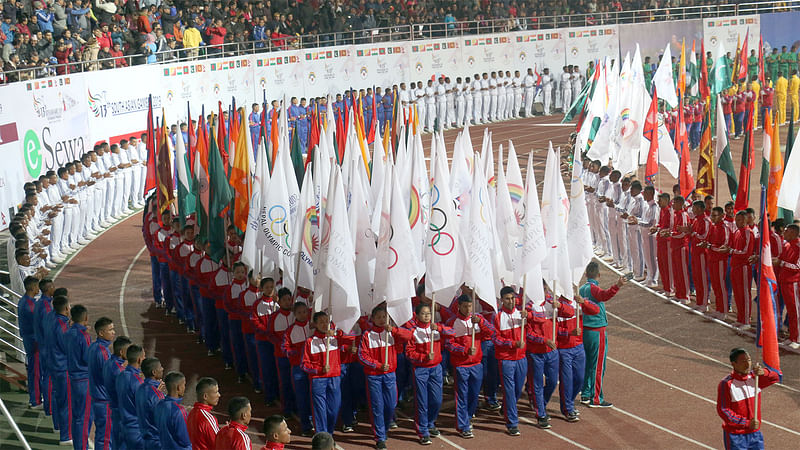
[[65, 443], [83, 241], [58, 258], [105, 224], [745, 327], [794, 345], [74, 246], [127, 212], [50, 265]]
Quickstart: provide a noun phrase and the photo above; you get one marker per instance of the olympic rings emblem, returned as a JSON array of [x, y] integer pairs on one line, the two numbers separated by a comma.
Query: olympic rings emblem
[[396, 258], [281, 222], [436, 240]]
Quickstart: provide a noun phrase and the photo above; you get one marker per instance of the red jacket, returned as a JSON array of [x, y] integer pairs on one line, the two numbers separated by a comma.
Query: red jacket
[[460, 343], [216, 35], [766, 97], [419, 346], [294, 340], [742, 247], [220, 286], [262, 310], [314, 354], [377, 344], [678, 238], [508, 332], [539, 328], [232, 298], [205, 271], [736, 400], [246, 308], [700, 229], [193, 265], [665, 219], [567, 325], [202, 427], [789, 261], [718, 235], [233, 437], [279, 322]]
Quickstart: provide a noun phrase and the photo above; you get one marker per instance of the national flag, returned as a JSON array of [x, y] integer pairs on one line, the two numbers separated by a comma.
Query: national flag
[[761, 73], [775, 175], [789, 195], [150, 181], [663, 80], [556, 269], [580, 234], [219, 198], [165, 196], [240, 174], [274, 136], [532, 249], [742, 69], [768, 318], [651, 135], [686, 177], [297, 158], [705, 166], [722, 79], [682, 71], [735, 69], [694, 73], [191, 146], [373, 123], [222, 137], [787, 213], [200, 178], [703, 84], [579, 104], [186, 198], [313, 136], [722, 153], [748, 155]]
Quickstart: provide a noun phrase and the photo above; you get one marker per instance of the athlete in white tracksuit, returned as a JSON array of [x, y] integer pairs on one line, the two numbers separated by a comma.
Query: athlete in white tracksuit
[[604, 190], [577, 82], [477, 96], [461, 101], [450, 96], [485, 92], [493, 95], [440, 95], [419, 101], [500, 114], [529, 87], [566, 89], [516, 85], [430, 106], [635, 209], [649, 219], [71, 212]]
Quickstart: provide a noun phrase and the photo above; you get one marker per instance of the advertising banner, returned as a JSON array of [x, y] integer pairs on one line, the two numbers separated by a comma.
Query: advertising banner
[[730, 31], [382, 64], [11, 173], [432, 58], [591, 43], [540, 48], [277, 74], [485, 54], [330, 70]]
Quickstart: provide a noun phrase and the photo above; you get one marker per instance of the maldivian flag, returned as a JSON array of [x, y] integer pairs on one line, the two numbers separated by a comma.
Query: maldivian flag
[[723, 151], [705, 166], [775, 178], [220, 196], [240, 174], [651, 134], [748, 154], [768, 320]]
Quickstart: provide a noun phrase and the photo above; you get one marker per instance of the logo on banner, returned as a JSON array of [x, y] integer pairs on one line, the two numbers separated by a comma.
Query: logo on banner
[[43, 151], [418, 66], [312, 77], [216, 88], [471, 61], [262, 82], [713, 41], [364, 72], [522, 56], [32, 152], [170, 95], [574, 51]]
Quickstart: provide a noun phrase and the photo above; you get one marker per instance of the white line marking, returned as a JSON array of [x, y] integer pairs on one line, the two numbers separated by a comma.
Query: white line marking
[[698, 396], [440, 437], [554, 125], [666, 430], [551, 432], [122, 321]]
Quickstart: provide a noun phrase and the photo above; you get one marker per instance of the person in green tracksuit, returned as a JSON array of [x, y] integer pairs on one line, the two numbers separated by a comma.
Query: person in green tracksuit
[[647, 66], [710, 68], [771, 62], [792, 58], [752, 64], [595, 341], [783, 62]]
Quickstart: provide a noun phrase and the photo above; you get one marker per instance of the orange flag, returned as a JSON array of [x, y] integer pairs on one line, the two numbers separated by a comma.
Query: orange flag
[[240, 173], [775, 172]]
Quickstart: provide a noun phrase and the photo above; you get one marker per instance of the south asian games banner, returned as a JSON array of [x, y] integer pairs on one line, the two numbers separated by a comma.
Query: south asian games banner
[[590, 44]]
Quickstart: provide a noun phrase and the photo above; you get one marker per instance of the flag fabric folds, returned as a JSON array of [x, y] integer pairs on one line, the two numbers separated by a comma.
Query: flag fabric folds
[[768, 319]]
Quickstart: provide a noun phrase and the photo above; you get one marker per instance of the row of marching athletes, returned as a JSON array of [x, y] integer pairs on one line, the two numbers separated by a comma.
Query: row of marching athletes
[[692, 246], [267, 337]]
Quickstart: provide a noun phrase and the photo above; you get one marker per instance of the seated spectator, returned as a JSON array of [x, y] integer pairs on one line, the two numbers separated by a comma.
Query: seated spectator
[[119, 59]]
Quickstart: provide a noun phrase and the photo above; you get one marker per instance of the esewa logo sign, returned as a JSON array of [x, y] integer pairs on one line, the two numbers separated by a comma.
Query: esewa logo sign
[[32, 152]]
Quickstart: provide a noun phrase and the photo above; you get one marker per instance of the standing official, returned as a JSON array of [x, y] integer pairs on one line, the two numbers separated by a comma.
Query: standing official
[[78, 342], [57, 341], [529, 86], [111, 369], [127, 383], [26, 313], [147, 396]]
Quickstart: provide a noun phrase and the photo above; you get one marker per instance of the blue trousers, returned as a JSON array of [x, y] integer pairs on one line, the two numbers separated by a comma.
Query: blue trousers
[[326, 397], [197, 309], [267, 370], [513, 374], [210, 325], [62, 412], [33, 370], [352, 382], [572, 368], [133, 437], [101, 410], [745, 441], [47, 389], [166, 285], [543, 370], [491, 376], [177, 295], [738, 119], [155, 272], [252, 359], [382, 397], [468, 384], [302, 396], [81, 413], [117, 436], [237, 345], [285, 378], [186, 302], [224, 336], [427, 397], [403, 374]]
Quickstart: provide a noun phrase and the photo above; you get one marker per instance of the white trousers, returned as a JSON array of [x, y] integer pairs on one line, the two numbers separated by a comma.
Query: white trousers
[[635, 250], [528, 101], [548, 101], [441, 114], [487, 103], [566, 99], [493, 107], [500, 114], [477, 109], [649, 255], [460, 110], [451, 111], [430, 115], [517, 103]]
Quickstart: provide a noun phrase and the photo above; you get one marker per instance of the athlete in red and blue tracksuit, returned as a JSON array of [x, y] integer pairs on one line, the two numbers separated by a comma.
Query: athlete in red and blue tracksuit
[[99, 353], [127, 383], [161, 247], [572, 356], [353, 381], [205, 270], [294, 341], [78, 342], [321, 363], [57, 343], [234, 320], [265, 351], [26, 310], [465, 356], [509, 348], [424, 350], [40, 326], [170, 419], [543, 357], [111, 369], [279, 322], [147, 397], [245, 308], [150, 229], [595, 341]]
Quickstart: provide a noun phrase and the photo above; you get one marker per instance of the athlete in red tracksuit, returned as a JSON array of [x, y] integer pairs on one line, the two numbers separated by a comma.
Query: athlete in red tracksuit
[[279, 322], [736, 401], [678, 248], [245, 307], [719, 238], [233, 319], [664, 258], [378, 353], [262, 310], [699, 234], [201, 423], [789, 280], [321, 363], [424, 351], [572, 356], [207, 269], [509, 349], [294, 341], [742, 249]]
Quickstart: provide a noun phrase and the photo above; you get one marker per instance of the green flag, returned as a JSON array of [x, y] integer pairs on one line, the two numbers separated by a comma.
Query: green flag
[[580, 101], [722, 72], [787, 214], [297, 158], [186, 198], [725, 162], [220, 197]]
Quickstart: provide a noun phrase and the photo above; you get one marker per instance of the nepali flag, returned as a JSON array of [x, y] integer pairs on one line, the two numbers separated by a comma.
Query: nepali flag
[[767, 327]]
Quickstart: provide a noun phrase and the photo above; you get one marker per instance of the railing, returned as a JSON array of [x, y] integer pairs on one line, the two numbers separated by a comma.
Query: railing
[[408, 33], [9, 331]]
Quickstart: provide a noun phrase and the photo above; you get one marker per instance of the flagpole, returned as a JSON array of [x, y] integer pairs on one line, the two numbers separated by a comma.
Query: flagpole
[[472, 346], [433, 303], [522, 310], [555, 317]]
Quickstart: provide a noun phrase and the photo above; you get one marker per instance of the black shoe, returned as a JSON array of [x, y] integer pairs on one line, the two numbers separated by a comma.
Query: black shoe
[[434, 432], [572, 416], [425, 440], [543, 422], [493, 406], [392, 425], [514, 431], [585, 400], [270, 403], [603, 404], [347, 429], [466, 434], [240, 379], [309, 433], [380, 445]]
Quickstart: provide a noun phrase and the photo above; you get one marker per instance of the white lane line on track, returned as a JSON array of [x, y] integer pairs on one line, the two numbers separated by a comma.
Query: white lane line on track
[[666, 430], [440, 437], [551, 432], [123, 323], [687, 392]]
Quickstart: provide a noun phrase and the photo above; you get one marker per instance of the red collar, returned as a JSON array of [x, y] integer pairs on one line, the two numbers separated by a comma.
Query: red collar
[[272, 446], [237, 425], [202, 406]]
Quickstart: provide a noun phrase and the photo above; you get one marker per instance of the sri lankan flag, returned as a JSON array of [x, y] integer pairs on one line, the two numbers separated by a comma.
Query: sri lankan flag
[[705, 167]]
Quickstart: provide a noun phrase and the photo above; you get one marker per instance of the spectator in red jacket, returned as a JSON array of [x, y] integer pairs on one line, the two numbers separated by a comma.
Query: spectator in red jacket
[[216, 37]]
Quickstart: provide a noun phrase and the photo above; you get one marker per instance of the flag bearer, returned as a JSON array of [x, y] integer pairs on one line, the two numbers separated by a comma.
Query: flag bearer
[[509, 349], [293, 343]]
